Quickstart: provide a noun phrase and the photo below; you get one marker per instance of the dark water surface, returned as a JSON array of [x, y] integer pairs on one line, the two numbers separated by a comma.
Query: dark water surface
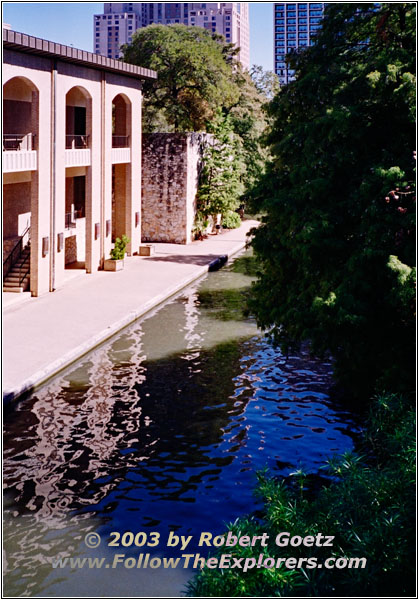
[[162, 429]]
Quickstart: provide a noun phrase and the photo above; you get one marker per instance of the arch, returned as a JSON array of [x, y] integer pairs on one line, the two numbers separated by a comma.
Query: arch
[[121, 121], [77, 96], [19, 88], [20, 114], [78, 104]]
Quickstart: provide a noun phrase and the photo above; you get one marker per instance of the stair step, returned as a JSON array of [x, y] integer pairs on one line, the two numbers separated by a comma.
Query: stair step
[[15, 290], [15, 281]]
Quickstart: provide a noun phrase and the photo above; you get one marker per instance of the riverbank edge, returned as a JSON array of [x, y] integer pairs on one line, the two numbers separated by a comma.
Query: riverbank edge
[[41, 377]]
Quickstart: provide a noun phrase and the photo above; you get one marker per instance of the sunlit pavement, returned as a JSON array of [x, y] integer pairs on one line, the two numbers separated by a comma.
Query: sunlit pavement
[[43, 335]]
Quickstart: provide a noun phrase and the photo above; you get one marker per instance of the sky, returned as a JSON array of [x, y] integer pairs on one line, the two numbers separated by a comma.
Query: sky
[[71, 23]]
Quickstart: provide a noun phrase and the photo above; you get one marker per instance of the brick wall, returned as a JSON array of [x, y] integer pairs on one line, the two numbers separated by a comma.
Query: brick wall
[[170, 171]]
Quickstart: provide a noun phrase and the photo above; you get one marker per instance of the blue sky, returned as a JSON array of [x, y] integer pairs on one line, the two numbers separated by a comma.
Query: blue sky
[[71, 23]]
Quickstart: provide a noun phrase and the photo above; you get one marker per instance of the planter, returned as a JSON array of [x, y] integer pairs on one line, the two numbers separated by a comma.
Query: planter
[[146, 250], [113, 265]]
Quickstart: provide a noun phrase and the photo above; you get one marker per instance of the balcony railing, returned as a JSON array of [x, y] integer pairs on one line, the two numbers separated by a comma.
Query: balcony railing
[[120, 141], [75, 142], [70, 218], [18, 142]]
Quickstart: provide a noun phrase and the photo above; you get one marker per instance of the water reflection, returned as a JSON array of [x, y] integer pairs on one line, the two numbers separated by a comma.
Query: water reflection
[[162, 428]]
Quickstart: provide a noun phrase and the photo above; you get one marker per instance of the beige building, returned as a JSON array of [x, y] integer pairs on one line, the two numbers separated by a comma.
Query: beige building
[[71, 160]]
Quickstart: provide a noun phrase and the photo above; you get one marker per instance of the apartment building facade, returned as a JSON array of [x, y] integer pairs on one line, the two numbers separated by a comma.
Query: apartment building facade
[[71, 160], [120, 20], [295, 26]]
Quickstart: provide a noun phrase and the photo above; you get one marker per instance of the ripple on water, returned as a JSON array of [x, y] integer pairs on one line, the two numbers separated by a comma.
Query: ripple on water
[[162, 428]]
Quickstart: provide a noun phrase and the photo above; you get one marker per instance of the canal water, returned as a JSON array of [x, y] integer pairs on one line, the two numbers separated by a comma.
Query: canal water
[[161, 429]]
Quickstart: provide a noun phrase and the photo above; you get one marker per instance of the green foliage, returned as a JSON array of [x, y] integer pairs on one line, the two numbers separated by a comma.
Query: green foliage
[[220, 185], [343, 136], [194, 75], [249, 120], [118, 251], [231, 220], [369, 508], [266, 82]]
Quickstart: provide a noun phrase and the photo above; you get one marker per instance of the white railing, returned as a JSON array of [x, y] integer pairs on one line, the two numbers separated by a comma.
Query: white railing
[[121, 155], [78, 158], [23, 160]]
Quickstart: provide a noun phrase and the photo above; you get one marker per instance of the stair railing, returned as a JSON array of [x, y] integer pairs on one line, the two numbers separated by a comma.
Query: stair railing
[[15, 253], [24, 271]]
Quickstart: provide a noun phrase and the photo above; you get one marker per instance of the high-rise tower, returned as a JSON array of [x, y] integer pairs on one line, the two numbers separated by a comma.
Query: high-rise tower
[[121, 19], [295, 26]]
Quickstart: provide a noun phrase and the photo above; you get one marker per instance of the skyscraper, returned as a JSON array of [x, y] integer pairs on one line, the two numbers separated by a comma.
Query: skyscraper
[[295, 26], [121, 19]]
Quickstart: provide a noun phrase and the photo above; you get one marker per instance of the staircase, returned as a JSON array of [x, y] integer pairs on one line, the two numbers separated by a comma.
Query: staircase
[[18, 278]]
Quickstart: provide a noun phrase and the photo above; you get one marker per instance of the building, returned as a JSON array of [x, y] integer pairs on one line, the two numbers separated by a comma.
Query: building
[[71, 160], [121, 19], [295, 26]]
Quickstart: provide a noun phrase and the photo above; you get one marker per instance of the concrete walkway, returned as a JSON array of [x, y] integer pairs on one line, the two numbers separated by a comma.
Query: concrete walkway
[[43, 335]]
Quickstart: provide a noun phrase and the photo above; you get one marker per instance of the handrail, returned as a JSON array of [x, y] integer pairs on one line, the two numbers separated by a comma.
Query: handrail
[[76, 142], [25, 273], [70, 218], [16, 142], [120, 141], [14, 254]]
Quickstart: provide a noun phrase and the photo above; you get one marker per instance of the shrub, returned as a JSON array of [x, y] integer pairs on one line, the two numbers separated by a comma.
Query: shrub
[[118, 252], [231, 220]]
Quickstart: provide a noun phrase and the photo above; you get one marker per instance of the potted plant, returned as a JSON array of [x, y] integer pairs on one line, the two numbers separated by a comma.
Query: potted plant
[[116, 261]]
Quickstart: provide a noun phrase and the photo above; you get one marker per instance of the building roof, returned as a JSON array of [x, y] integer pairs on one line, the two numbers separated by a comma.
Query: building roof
[[33, 45]]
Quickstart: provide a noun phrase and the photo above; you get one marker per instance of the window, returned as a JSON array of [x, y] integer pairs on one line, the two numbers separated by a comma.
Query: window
[[280, 22], [292, 28], [303, 42], [279, 28], [228, 28], [280, 36], [291, 21], [280, 43]]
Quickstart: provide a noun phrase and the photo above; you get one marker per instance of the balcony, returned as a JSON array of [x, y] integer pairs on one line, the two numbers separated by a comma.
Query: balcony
[[77, 153], [121, 152], [19, 152], [71, 217]]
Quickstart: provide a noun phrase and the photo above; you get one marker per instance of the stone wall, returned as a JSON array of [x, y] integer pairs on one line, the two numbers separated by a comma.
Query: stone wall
[[170, 171]]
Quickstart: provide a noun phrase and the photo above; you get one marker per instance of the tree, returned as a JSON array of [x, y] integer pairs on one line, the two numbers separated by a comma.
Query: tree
[[194, 71], [220, 185], [266, 82], [337, 245]]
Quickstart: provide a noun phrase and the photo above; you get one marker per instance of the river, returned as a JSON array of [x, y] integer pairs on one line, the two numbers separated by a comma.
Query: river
[[161, 429]]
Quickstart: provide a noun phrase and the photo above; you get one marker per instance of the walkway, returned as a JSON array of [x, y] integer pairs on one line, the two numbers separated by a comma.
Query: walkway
[[43, 335]]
